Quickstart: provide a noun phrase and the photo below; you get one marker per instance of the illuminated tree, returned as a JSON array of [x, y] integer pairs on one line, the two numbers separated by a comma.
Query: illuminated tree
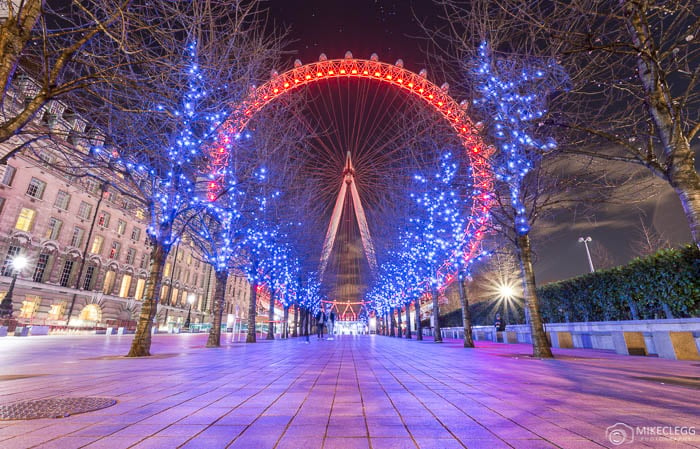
[[157, 132], [437, 230], [512, 94]]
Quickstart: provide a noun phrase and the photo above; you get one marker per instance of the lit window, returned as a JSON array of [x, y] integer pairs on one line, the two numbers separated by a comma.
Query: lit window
[[121, 227], [97, 244], [25, 221], [62, 200], [30, 307], [124, 288], [140, 214], [140, 286], [36, 188], [54, 229], [56, 311]]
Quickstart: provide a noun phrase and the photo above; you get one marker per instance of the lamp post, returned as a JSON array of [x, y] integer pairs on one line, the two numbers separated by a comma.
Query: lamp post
[[18, 264], [190, 301], [585, 242]]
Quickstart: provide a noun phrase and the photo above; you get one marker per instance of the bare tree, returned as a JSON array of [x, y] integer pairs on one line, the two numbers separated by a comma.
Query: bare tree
[[648, 240], [601, 255], [195, 60], [50, 50], [634, 67]]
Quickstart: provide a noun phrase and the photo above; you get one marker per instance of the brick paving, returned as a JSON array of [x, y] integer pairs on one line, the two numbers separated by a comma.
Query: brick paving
[[354, 392]]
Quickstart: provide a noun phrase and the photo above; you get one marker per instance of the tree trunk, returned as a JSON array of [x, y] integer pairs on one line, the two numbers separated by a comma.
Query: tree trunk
[[285, 323], [398, 318], [392, 326], [686, 183], [141, 344], [540, 344], [408, 320], [419, 325], [466, 314], [214, 340], [437, 334], [271, 316], [296, 320], [252, 312]]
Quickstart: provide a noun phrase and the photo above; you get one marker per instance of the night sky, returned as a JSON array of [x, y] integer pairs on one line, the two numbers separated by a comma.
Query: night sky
[[390, 29]]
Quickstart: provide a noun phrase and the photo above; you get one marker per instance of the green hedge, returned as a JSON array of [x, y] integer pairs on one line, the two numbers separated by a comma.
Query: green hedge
[[663, 285]]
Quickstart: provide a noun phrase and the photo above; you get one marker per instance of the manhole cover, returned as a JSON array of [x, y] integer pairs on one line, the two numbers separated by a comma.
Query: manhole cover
[[52, 408]]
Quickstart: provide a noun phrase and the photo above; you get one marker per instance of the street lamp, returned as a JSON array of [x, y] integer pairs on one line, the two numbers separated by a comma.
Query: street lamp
[[190, 301], [585, 242], [17, 264]]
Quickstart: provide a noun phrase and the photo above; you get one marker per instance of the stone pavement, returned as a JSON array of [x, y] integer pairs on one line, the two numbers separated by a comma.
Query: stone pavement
[[354, 392]]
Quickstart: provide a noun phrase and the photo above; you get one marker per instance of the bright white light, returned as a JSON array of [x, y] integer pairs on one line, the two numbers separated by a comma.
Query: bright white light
[[19, 262], [506, 291], [191, 299]]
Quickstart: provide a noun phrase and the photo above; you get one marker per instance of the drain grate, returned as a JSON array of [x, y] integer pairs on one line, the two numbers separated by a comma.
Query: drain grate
[[52, 408]]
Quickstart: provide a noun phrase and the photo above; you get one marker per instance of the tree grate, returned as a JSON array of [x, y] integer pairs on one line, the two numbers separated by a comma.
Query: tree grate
[[52, 408]]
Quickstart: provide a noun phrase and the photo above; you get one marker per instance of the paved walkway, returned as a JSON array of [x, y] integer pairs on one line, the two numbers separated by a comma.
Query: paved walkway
[[354, 392]]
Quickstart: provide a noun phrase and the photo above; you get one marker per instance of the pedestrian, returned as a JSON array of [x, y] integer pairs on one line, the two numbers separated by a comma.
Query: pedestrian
[[320, 322], [499, 324], [331, 325]]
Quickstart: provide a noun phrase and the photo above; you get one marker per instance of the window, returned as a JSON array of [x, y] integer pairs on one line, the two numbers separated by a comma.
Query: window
[[140, 214], [124, 288], [54, 229], [9, 175], [85, 210], [2, 204], [56, 311], [41, 263], [97, 244], [30, 307], [65, 274], [62, 200], [130, 256], [91, 185], [136, 234], [89, 274], [77, 237], [12, 251], [144, 261], [121, 227], [140, 287], [25, 221], [114, 250], [36, 188], [103, 219], [108, 284]]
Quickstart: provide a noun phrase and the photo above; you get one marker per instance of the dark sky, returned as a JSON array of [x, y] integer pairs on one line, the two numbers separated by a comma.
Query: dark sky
[[390, 29], [385, 27]]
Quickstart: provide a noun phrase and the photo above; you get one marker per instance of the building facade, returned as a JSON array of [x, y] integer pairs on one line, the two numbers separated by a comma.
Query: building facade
[[86, 244]]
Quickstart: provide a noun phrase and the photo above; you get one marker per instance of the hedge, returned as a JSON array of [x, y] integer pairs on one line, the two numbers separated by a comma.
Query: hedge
[[663, 285]]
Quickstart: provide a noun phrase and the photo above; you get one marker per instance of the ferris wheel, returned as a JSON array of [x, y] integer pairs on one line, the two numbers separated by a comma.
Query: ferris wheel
[[376, 113]]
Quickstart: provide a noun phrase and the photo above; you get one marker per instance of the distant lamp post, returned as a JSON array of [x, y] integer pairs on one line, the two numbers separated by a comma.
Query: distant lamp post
[[585, 242], [17, 264], [190, 301]]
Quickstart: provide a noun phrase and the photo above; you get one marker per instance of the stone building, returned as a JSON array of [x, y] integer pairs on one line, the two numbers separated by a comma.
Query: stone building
[[87, 244]]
